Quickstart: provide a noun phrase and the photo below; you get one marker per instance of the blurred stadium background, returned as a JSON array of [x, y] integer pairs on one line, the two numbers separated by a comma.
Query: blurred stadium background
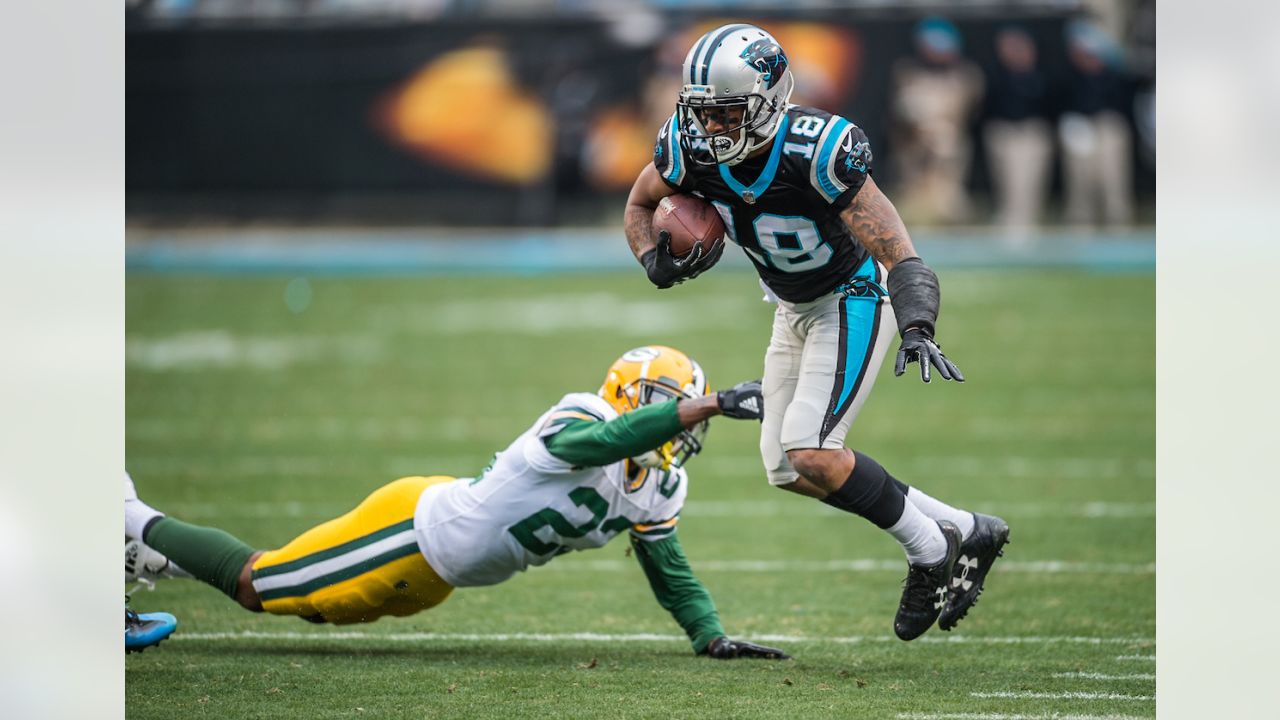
[[369, 238]]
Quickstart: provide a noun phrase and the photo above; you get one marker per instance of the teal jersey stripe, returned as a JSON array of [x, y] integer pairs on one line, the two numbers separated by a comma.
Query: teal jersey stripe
[[762, 183], [673, 152], [338, 576], [860, 321], [334, 551], [825, 180]]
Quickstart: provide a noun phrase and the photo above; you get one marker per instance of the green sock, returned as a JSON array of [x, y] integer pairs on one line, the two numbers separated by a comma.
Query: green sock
[[211, 555]]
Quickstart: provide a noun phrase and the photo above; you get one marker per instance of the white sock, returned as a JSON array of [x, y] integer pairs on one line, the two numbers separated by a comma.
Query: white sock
[[920, 536], [136, 516], [939, 510]]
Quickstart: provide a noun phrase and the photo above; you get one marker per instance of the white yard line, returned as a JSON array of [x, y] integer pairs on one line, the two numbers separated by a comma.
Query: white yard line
[[357, 635], [1088, 509], [1059, 696], [696, 510], [1136, 658], [1008, 716], [1105, 676], [1034, 567]]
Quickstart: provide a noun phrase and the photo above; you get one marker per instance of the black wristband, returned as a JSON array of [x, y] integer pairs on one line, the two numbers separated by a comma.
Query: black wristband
[[913, 289]]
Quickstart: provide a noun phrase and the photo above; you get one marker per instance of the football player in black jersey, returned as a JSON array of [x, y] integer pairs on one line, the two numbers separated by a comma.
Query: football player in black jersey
[[794, 187]]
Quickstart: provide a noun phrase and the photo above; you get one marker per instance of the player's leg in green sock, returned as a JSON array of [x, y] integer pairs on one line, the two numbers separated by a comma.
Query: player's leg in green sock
[[211, 555]]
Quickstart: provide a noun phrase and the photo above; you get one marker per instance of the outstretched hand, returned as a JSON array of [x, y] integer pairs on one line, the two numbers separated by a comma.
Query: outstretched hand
[[917, 346], [666, 270], [722, 648], [744, 401]]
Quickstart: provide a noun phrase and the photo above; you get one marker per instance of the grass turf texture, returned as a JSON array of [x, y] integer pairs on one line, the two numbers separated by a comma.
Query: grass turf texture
[[266, 405]]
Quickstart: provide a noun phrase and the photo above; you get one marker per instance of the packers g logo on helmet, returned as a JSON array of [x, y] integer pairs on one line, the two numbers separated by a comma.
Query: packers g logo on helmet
[[654, 374]]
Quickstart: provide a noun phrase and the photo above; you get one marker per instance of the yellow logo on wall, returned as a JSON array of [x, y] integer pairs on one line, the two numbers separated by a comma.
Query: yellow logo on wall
[[465, 111]]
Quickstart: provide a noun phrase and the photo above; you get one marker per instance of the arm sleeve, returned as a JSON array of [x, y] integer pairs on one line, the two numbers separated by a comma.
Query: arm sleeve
[[678, 591], [590, 443]]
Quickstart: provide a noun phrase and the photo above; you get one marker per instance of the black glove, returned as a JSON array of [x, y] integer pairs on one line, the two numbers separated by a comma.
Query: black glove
[[666, 270], [917, 346], [743, 401], [722, 648]]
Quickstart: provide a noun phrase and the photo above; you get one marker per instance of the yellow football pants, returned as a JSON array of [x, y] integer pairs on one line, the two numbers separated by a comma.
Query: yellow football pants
[[355, 568]]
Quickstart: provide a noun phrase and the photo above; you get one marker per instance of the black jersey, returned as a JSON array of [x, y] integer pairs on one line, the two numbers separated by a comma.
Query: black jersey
[[783, 207]]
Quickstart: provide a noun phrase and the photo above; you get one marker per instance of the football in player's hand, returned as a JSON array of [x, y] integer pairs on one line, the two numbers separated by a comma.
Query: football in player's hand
[[690, 220]]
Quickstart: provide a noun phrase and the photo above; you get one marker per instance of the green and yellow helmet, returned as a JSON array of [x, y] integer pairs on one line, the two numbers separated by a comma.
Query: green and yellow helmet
[[654, 374]]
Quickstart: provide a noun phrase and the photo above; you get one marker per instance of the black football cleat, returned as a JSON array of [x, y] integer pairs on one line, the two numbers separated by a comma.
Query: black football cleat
[[977, 555], [924, 592]]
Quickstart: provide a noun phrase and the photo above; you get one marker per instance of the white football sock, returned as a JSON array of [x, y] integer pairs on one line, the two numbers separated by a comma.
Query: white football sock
[[920, 536], [939, 510], [136, 513]]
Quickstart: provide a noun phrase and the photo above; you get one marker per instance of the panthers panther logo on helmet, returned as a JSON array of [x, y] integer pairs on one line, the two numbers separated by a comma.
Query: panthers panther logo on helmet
[[737, 84], [766, 56]]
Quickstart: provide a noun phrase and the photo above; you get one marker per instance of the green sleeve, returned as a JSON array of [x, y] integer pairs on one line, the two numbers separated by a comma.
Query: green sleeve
[[678, 590], [590, 443]]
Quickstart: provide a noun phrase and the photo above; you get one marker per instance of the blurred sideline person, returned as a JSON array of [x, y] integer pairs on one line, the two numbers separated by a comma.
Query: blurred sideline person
[[794, 187], [935, 97], [1017, 134], [589, 468], [1094, 133]]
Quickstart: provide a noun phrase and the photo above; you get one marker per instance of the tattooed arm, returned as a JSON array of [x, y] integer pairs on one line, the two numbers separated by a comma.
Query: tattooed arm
[[913, 287], [646, 193], [874, 221]]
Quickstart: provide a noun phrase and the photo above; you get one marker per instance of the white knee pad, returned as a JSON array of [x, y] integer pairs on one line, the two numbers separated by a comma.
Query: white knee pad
[[776, 465]]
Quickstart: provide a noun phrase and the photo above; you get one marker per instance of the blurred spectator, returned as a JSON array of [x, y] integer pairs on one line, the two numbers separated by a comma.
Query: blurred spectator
[[935, 94], [1141, 63], [1017, 133], [1093, 131]]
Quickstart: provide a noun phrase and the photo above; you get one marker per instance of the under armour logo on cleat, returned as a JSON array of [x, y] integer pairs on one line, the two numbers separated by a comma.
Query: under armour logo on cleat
[[965, 563], [941, 592]]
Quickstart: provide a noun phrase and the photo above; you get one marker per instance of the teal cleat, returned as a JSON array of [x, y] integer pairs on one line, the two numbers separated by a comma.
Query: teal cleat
[[143, 631]]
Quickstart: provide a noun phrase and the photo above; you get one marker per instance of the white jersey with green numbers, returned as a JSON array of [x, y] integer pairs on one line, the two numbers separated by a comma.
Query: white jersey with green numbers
[[529, 506]]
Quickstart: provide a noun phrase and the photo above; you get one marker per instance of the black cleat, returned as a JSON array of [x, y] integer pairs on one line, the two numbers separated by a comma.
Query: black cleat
[[924, 591], [977, 555]]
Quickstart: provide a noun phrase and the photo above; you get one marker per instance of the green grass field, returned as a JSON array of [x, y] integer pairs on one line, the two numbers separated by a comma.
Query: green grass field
[[263, 407]]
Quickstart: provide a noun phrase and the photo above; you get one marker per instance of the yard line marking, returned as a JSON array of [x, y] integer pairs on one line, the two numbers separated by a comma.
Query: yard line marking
[[1035, 567], [1059, 696], [642, 637], [1104, 676], [1143, 658], [1086, 509], [698, 510], [1016, 716], [1006, 716]]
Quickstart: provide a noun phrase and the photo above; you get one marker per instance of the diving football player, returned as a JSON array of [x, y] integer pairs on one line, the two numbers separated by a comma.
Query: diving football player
[[794, 187], [592, 466]]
